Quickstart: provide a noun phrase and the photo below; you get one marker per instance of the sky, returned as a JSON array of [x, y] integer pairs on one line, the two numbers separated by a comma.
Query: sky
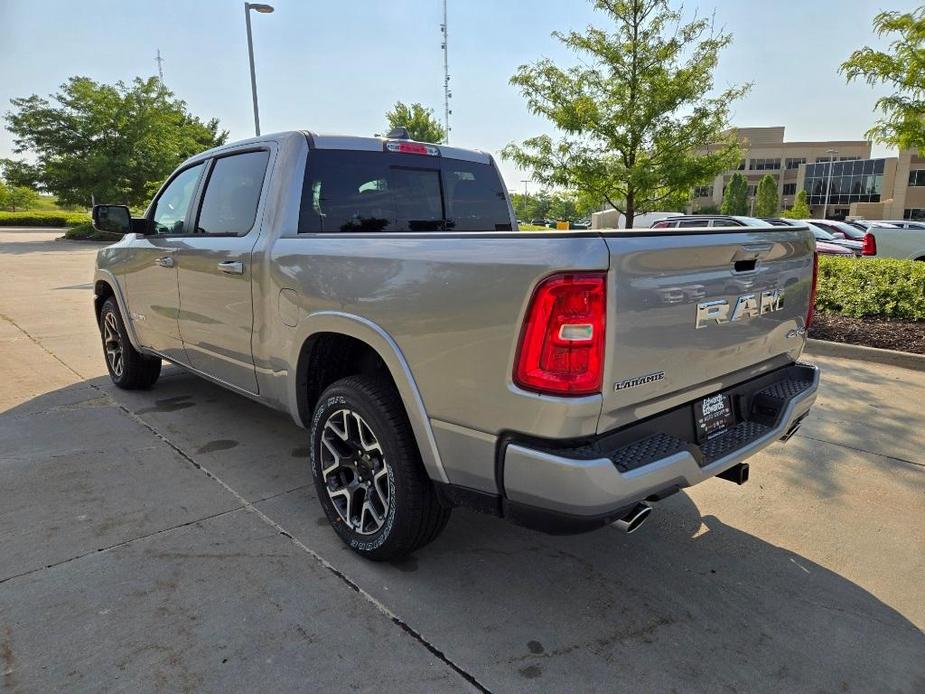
[[339, 66]]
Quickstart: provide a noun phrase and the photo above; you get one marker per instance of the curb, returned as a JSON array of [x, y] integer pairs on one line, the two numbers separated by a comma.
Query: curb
[[824, 348]]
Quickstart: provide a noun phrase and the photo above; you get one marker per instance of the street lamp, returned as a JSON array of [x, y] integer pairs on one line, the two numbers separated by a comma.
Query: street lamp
[[526, 182], [828, 187], [262, 9]]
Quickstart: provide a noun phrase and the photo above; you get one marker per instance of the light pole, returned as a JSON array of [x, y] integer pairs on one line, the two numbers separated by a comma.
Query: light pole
[[263, 9], [526, 182], [828, 187]]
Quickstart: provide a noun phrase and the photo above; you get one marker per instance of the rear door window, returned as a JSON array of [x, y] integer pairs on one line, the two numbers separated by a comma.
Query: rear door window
[[356, 191], [229, 205]]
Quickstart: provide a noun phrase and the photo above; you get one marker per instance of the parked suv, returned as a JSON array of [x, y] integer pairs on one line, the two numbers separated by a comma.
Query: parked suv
[[378, 290]]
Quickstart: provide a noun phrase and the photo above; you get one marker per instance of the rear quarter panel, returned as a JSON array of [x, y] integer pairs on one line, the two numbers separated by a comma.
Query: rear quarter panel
[[453, 304]]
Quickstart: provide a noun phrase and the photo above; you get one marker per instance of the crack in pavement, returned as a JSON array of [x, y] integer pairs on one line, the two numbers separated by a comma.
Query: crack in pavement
[[146, 536], [247, 505], [891, 458]]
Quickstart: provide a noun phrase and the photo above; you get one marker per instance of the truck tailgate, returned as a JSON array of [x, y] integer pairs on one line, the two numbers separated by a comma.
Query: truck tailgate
[[691, 313]]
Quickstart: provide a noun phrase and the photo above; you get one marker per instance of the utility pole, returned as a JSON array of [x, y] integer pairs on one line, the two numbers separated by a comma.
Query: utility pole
[[160, 68], [447, 94], [526, 182]]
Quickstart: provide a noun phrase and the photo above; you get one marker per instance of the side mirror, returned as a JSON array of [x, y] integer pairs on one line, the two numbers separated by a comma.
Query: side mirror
[[839, 234], [115, 219]]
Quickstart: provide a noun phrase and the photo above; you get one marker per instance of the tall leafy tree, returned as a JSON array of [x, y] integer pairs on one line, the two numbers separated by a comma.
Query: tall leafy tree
[[113, 142], [421, 123], [902, 68], [735, 198], [635, 125], [766, 199], [800, 209]]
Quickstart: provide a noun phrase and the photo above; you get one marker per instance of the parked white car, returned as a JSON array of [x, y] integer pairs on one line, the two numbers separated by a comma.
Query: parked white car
[[884, 242]]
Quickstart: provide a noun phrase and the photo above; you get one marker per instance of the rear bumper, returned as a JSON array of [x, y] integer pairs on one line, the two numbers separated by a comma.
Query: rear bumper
[[572, 487]]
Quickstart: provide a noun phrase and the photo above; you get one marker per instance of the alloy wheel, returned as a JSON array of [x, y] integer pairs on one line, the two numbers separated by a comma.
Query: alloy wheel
[[355, 472], [112, 344]]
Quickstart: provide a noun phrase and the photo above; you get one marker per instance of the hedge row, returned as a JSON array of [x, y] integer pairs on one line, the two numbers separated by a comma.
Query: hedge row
[[42, 219], [881, 287]]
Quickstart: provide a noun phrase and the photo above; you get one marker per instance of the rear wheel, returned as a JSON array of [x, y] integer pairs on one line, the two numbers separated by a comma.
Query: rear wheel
[[128, 368], [368, 472]]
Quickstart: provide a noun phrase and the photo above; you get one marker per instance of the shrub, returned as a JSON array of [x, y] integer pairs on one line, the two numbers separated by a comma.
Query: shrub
[[881, 287], [43, 219]]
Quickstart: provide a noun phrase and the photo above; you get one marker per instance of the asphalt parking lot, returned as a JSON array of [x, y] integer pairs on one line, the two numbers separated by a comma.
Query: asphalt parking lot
[[171, 541]]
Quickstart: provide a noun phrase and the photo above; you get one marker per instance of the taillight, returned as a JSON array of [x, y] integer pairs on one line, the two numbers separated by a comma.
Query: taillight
[[561, 349], [870, 245], [812, 292]]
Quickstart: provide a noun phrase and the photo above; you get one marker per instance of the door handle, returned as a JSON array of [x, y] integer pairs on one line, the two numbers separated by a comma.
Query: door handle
[[752, 251], [164, 261], [231, 267]]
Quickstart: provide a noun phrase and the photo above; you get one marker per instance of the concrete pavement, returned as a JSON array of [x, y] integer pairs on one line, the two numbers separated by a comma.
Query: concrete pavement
[[171, 540]]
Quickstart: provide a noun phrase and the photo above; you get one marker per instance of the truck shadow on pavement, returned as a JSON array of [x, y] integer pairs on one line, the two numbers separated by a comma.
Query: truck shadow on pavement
[[688, 603]]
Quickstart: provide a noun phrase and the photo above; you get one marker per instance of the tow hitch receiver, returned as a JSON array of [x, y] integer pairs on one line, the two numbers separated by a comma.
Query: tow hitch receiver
[[737, 473]]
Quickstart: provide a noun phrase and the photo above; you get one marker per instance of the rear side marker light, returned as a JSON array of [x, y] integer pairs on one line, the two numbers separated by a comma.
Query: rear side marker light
[[412, 148], [561, 348]]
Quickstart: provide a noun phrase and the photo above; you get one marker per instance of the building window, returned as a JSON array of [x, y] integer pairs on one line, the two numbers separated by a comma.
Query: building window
[[794, 162], [751, 190], [917, 178], [855, 158], [844, 182], [823, 159], [914, 213], [763, 164], [790, 188], [703, 192], [741, 165]]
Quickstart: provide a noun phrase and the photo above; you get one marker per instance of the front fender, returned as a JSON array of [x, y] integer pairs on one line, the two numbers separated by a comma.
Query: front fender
[[377, 338], [103, 275]]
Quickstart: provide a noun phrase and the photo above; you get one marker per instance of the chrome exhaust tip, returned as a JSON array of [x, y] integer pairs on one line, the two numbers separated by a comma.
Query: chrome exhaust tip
[[633, 520]]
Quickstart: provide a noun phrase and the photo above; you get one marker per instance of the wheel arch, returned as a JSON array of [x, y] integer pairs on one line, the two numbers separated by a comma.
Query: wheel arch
[[105, 286], [346, 344]]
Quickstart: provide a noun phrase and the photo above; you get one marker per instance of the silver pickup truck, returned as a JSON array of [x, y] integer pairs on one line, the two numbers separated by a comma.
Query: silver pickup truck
[[378, 290]]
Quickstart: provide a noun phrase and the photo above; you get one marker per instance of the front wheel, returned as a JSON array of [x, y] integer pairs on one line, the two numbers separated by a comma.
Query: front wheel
[[128, 368], [368, 472]]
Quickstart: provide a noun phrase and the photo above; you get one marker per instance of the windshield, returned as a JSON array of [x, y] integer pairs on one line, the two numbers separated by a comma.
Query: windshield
[[820, 233], [848, 230], [362, 191]]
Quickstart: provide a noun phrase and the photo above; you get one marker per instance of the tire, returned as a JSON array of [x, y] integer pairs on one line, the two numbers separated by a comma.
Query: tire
[[128, 368], [374, 477]]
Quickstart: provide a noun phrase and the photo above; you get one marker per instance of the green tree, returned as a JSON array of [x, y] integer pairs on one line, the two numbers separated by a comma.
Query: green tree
[[20, 198], [635, 125], [902, 67], [800, 209], [766, 199], [114, 142], [735, 197], [420, 122], [19, 173]]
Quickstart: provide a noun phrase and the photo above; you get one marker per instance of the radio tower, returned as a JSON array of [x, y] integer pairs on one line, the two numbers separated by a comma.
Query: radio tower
[[160, 69], [447, 94]]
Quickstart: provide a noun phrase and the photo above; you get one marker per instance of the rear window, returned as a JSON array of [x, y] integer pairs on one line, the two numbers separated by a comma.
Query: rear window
[[351, 191]]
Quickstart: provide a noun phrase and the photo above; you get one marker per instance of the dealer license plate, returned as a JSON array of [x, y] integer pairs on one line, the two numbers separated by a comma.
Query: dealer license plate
[[713, 416]]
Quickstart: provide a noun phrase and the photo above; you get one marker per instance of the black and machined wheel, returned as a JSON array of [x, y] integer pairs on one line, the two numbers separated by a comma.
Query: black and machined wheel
[[128, 368], [368, 471]]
